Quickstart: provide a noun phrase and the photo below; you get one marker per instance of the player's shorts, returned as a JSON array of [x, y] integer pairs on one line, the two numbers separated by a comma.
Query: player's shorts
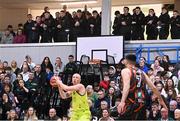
[[80, 116]]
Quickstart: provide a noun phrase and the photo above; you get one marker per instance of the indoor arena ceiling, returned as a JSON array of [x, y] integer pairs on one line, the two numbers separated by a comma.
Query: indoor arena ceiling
[[39, 4]]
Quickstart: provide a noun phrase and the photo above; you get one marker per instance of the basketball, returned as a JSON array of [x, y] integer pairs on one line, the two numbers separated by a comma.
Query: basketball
[[53, 82]]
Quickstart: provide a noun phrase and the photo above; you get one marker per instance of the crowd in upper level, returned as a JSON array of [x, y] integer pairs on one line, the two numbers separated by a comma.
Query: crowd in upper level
[[81, 23]]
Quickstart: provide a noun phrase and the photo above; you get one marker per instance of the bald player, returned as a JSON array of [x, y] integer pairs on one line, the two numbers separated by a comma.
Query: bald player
[[80, 107]]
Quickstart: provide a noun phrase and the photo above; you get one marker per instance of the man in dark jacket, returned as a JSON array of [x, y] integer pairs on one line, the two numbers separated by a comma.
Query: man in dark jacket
[[96, 26], [62, 25], [151, 25], [175, 25], [138, 24], [40, 78], [163, 24], [28, 28], [117, 24], [52, 114], [48, 28], [36, 30], [126, 21], [70, 69], [78, 25]]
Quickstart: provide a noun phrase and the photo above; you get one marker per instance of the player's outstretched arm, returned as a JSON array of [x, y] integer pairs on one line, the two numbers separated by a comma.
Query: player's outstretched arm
[[154, 89]]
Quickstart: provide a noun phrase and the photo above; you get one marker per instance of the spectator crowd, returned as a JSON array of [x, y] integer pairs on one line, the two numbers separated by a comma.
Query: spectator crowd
[[26, 93], [67, 27]]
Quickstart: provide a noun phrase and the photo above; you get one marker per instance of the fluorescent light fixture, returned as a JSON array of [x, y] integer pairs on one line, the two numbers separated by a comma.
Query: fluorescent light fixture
[[79, 2]]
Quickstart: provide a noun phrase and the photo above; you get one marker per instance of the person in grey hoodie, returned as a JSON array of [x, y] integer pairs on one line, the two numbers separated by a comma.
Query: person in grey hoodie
[[7, 38]]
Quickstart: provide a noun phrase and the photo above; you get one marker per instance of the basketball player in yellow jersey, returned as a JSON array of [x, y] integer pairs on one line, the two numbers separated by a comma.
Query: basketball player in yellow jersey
[[80, 107]]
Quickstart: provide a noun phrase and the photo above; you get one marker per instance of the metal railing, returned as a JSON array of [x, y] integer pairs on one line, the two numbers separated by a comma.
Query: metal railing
[[159, 49]]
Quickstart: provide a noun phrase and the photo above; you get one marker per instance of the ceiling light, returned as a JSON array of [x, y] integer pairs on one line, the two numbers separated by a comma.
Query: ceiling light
[[80, 2]]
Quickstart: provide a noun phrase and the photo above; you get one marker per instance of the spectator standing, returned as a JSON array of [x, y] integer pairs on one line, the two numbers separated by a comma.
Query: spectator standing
[[78, 25], [46, 10], [138, 21], [19, 38], [57, 16], [10, 28], [28, 28], [48, 26], [117, 24], [163, 23], [151, 25], [62, 27], [96, 25], [126, 20], [175, 25], [36, 30]]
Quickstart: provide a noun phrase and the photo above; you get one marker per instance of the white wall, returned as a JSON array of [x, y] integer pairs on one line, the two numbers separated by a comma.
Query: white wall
[[37, 52], [12, 16]]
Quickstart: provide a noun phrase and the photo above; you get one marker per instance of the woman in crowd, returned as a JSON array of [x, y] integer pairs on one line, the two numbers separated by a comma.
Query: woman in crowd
[[20, 37], [12, 115], [7, 88], [59, 66], [165, 62], [170, 85], [171, 95], [156, 67], [112, 97], [25, 63], [31, 115], [106, 116], [46, 63], [6, 106]]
